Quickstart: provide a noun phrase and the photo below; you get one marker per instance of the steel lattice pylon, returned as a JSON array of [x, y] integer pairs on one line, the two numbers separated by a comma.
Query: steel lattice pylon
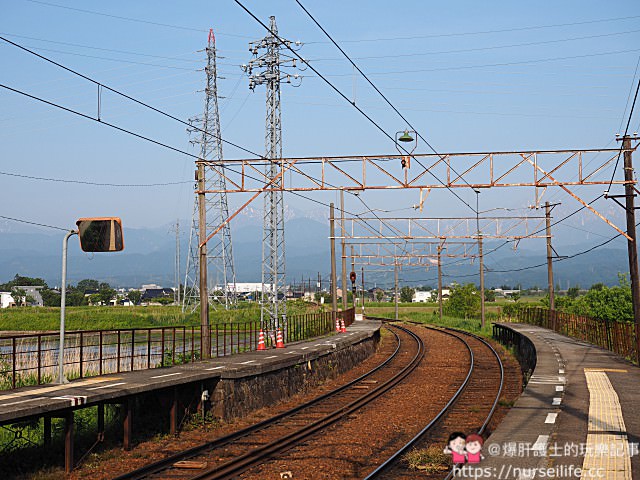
[[221, 273], [273, 305]]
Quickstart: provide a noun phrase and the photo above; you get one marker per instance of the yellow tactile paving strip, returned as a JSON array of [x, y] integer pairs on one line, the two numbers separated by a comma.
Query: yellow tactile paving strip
[[607, 453]]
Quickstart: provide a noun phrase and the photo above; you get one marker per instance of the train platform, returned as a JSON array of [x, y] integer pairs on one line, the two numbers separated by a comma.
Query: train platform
[[577, 417], [53, 399]]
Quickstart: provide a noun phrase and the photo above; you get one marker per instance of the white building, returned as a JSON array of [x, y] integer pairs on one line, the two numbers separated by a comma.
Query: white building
[[431, 296], [421, 297], [6, 300], [247, 287]]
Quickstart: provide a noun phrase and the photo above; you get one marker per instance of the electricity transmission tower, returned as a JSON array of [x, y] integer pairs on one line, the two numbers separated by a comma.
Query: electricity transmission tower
[[264, 68], [211, 210]]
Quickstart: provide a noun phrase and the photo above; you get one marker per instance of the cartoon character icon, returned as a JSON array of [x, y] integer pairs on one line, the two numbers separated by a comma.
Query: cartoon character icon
[[456, 447], [473, 448]]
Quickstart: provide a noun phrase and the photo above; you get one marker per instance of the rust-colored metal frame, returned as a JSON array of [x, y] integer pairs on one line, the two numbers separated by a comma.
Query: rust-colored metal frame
[[420, 228], [545, 168]]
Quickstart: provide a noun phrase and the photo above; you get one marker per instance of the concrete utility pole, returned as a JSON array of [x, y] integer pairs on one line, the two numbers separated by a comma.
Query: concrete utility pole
[[205, 337], [440, 280], [632, 246], [353, 286], [482, 316], [395, 278], [345, 289], [176, 276], [552, 302], [334, 289], [362, 293]]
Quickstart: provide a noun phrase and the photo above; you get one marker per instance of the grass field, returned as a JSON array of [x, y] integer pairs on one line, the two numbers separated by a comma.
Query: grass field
[[428, 313], [98, 318]]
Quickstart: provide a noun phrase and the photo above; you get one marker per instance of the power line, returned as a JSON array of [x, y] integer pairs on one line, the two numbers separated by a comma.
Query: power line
[[33, 223], [83, 182], [479, 49], [383, 96], [130, 19], [128, 97], [148, 139], [502, 64], [626, 130], [128, 52], [88, 117], [483, 32], [333, 87]]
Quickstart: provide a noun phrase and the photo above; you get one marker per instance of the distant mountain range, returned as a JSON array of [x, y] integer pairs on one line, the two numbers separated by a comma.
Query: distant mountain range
[[149, 255]]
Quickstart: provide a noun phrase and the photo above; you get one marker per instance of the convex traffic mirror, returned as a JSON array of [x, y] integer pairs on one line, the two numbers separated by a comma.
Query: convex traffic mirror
[[100, 234]]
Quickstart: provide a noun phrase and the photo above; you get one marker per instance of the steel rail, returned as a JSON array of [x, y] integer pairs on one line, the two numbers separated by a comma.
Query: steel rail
[[163, 464], [392, 461], [255, 456]]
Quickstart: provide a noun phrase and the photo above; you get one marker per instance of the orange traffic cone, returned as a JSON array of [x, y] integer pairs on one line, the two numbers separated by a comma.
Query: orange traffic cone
[[337, 325], [279, 340], [261, 341], [343, 329]]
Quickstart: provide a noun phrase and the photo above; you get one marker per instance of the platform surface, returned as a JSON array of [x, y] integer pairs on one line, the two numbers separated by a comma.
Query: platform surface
[[578, 416], [35, 401]]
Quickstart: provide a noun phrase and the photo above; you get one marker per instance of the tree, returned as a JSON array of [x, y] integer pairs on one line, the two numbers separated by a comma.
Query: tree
[[613, 304], [489, 296], [107, 294], [379, 295], [515, 296], [134, 296], [573, 292], [464, 301], [88, 284], [50, 298], [19, 296], [406, 294]]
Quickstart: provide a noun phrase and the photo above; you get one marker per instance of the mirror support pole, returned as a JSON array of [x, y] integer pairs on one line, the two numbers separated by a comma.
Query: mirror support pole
[[63, 295]]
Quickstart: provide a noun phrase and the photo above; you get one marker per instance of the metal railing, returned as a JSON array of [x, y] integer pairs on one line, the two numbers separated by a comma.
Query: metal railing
[[618, 337], [32, 359]]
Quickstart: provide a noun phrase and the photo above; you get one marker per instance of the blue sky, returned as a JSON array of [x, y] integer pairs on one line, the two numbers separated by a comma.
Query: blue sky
[[470, 76]]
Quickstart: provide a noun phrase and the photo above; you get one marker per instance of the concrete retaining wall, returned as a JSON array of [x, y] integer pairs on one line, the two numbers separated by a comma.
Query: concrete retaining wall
[[236, 397]]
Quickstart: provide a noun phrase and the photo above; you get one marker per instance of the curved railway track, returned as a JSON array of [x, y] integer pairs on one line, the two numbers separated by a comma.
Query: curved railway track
[[472, 394], [232, 454]]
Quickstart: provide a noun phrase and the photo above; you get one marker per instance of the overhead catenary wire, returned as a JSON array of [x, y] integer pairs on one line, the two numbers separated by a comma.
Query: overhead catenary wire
[[626, 131], [393, 107], [142, 137], [128, 97]]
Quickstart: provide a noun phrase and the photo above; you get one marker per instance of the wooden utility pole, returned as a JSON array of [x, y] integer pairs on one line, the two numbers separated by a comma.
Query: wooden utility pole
[[552, 302], [344, 254], [440, 280], [334, 288], [205, 333], [631, 232]]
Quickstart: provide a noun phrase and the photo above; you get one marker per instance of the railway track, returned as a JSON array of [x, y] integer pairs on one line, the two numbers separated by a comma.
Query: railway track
[[481, 389], [232, 454]]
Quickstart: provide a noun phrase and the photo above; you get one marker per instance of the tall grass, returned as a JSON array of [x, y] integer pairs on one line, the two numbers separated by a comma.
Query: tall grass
[[38, 319]]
